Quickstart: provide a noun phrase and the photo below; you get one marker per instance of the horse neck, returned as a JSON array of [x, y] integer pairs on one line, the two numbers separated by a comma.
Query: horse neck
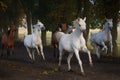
[[11, 35], [77, 32], [106, 29], [36, 32]]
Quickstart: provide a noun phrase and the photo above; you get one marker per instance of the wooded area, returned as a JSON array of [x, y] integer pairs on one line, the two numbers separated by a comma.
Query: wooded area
[[52, 12]]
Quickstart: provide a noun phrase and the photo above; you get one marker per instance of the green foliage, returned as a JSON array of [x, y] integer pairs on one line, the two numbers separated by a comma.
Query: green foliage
[[12, 13], [3, 6], [53, 12]]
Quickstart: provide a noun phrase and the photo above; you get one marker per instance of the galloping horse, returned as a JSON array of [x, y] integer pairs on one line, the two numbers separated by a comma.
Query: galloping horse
[[33, 41], [73, 43], [103, 40], [7, 41]]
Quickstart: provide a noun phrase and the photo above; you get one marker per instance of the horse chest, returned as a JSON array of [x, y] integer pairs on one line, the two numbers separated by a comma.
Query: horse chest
[[36, 40]]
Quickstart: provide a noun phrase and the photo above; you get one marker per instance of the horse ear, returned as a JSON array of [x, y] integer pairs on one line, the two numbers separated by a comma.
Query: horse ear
[[109, 19], [84, 19], [78, 19]]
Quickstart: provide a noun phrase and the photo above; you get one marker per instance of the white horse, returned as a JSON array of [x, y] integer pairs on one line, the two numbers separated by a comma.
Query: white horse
[[102, 39], [73, 43], [33, 41]]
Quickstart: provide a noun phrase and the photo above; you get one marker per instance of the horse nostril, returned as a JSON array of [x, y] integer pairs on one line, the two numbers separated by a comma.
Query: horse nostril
[[43, 28]]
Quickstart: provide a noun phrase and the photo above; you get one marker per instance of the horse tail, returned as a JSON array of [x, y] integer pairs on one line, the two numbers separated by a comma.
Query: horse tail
[[24, 36], [91, 33], [91, 36], [4, 39]]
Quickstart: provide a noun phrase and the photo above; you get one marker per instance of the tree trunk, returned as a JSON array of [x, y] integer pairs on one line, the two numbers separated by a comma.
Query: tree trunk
[[87, 14], [29, 22], [114, 37], [16, 34], [43, 35]]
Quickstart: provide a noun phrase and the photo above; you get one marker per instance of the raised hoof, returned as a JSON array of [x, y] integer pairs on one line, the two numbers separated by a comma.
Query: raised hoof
[[70, 70], [83, 74]]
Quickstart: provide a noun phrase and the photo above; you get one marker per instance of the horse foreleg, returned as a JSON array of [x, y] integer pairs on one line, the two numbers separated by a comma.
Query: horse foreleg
[[89, 55], [29, 52], [37, 50], [60, 56], [111, 46], [33, 54], [96, 50], [104, 47], [41, 49], [68, 60], [79, 61]]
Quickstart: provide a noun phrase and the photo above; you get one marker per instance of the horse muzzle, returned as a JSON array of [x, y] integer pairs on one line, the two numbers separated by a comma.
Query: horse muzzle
[[43, 28], [110, 28], [84, 31]]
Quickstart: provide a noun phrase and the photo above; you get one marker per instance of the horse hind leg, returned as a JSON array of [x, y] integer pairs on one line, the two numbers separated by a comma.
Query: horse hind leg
[[2, 46], [29, 52], [8, 51]]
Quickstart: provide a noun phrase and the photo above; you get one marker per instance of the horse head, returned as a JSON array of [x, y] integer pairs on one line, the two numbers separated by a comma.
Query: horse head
[[80, 23], [108, 24], [41, 25]]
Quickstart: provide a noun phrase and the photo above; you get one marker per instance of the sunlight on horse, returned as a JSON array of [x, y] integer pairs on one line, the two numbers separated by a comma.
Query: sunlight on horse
[[103, 40], [33, 41], [73, 43], [7, 41]]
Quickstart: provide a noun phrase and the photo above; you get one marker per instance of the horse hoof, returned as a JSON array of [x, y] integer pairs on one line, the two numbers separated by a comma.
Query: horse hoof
[[91, 64], [70, 70], [59, 69], [83, 74]]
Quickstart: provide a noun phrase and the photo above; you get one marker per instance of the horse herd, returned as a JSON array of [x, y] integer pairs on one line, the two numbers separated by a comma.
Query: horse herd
[[73, 41]]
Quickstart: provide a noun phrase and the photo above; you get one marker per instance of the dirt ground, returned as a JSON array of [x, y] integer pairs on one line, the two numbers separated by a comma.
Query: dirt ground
[[19, 67]]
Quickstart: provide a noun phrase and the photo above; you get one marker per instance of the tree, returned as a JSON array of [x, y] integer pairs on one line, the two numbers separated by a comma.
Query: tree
[[10, 13], [52, 12]]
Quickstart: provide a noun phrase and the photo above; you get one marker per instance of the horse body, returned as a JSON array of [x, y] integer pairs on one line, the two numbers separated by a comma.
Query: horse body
[[56, 35], [73, 43], [34, 41], [102, 39], [8, 41]]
